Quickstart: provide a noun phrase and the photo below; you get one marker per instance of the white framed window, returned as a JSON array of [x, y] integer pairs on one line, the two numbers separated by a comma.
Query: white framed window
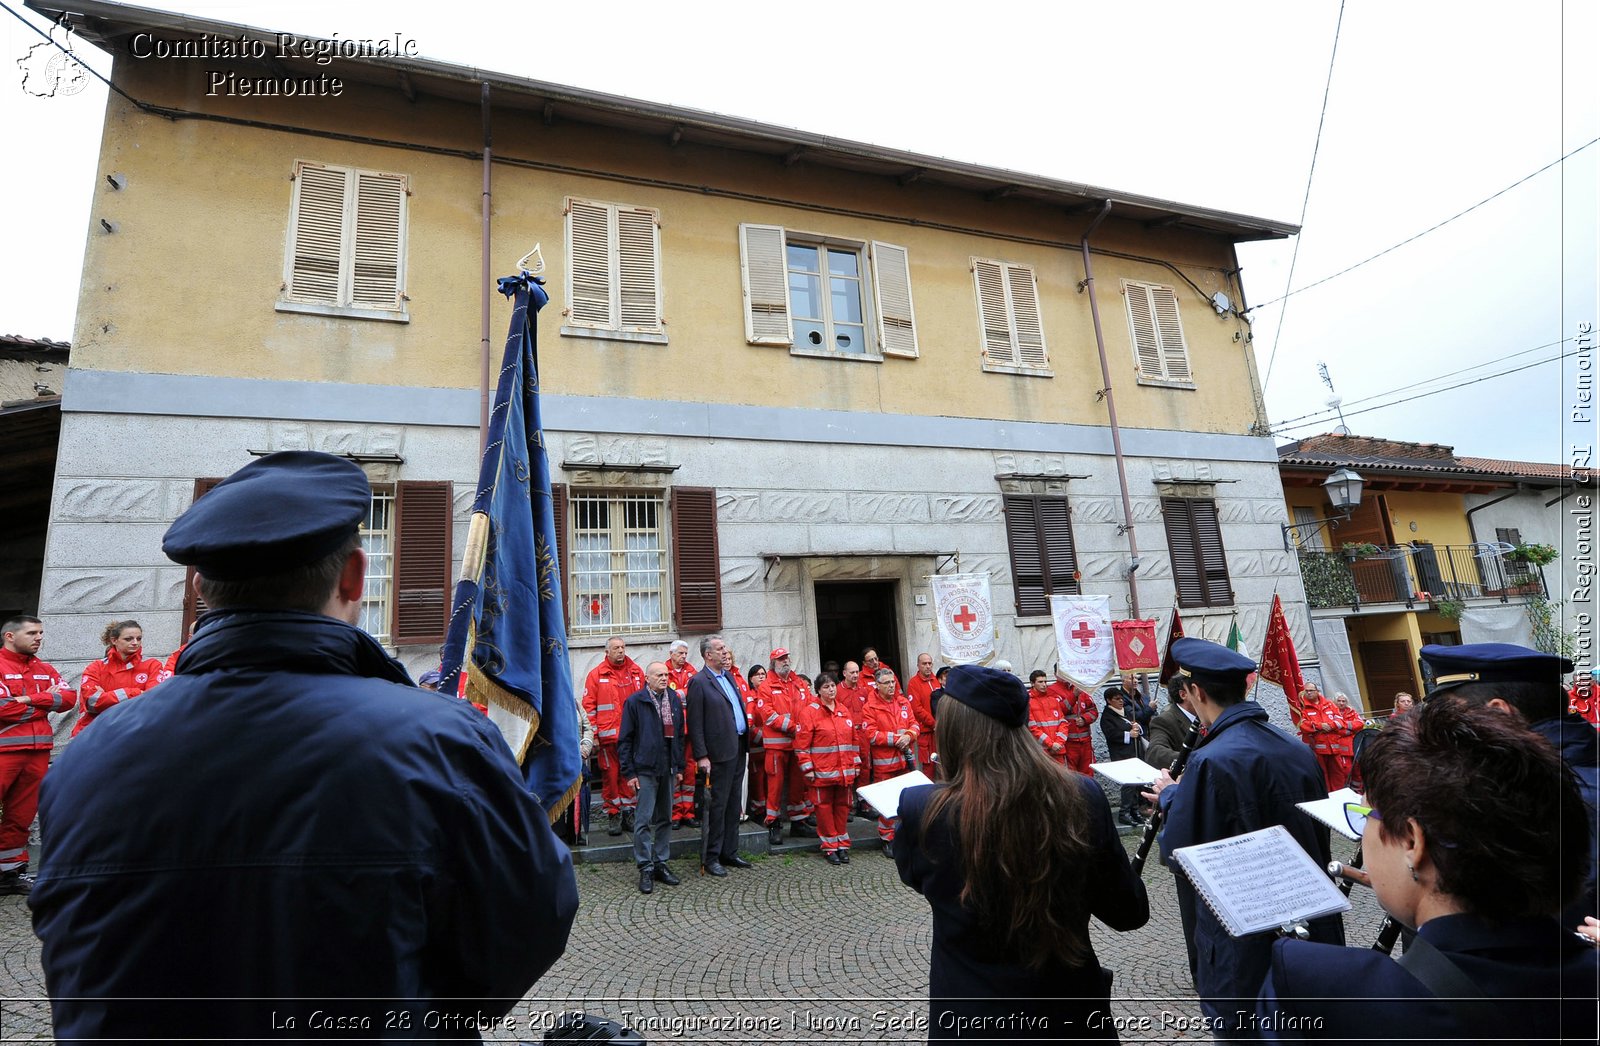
[[346, 245], [824, 296], [1008, 318], [613, 272], [1159, 351], [619, 562], [377, 539]]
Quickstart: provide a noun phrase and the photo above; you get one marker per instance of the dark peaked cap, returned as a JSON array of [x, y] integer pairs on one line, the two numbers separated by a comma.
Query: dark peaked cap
[[1455, 666], [279, 512], [998, 695], [1210, 662]]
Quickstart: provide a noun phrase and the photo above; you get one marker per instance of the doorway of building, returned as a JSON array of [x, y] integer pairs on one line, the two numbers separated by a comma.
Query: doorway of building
[[1386, 664], [856, 614]]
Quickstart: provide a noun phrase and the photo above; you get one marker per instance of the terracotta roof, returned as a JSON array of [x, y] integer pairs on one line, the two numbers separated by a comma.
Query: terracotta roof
[[17, 341], [1331, 450], [1528, 469]]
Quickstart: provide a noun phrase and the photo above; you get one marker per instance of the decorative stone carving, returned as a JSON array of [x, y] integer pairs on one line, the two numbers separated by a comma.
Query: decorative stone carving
[[1096, 510], [966, 508], [888, 508], [107, 592], [113, 500], [738, 506], [589, 449], [803, 507], [1182, 471], [1233, 511], [339, 439], [1032, 464]]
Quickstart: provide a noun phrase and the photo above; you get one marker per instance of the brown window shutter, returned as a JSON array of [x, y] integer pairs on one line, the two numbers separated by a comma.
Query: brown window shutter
[[193, 605], [1186, 576], [1022, 541], [558, 507], [422, 513], [1213, 558], [1055, 537], [696, 566]]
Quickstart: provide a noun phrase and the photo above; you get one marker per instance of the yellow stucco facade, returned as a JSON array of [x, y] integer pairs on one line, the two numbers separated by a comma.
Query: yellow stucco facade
[[208, 202]]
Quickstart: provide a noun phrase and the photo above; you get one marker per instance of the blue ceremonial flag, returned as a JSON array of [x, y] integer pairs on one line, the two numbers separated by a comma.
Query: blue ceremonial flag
[[506, 627]]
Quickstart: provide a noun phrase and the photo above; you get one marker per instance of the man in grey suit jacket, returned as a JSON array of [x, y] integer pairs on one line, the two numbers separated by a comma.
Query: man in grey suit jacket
[[720, 736]]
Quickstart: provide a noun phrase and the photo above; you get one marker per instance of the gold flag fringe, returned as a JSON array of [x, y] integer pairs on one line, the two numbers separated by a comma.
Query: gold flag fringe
[[484, 691]]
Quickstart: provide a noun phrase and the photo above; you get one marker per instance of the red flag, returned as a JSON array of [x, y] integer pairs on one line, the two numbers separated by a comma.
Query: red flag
[[1278, 661], [1137, 649], [1169, 666]]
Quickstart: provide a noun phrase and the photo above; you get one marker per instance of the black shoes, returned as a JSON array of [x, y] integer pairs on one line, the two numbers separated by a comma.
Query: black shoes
[[627, 820], [832, 857], [664, 876], [775, 833], [647, 879], [844, 856], [17, 882], [801, 830], [737, 862], [888, 848], [713, 869], [614, 824]]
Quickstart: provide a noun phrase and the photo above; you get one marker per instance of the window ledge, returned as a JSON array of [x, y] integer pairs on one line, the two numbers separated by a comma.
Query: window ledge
[[637, 337], [1025, 622], [597, 640], [345, 312], [1011, 368], [1165, 383], [824, 354]]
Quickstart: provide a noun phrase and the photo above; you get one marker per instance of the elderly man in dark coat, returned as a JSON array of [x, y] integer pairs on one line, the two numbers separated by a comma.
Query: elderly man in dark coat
[[650, 751]]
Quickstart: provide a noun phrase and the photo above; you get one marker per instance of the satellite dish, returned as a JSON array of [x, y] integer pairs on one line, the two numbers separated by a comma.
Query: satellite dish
[[1220, 302]]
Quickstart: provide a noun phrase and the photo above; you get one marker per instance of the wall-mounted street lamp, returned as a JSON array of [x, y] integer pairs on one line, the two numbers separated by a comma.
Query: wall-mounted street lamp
[[1344, 494]]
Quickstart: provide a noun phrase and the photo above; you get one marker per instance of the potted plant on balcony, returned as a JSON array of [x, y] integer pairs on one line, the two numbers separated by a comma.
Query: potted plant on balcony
[[1354, 550], [1535, 554]]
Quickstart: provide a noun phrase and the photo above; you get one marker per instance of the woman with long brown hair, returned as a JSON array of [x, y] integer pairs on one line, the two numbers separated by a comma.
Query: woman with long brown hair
[[122, 674], [1014, 854]]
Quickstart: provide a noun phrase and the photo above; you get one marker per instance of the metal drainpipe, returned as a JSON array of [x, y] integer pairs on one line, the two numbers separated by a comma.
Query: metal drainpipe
[[483, 326], [1472, 531], [1111, 407]]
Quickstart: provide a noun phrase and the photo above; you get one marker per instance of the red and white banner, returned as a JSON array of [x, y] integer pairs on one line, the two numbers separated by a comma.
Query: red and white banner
[[965, 618], [1085, 650], [1137, 649]]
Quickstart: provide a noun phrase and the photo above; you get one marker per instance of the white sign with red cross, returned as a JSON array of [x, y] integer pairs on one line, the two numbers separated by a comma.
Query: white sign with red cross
[[965, 618], [1085, 650]]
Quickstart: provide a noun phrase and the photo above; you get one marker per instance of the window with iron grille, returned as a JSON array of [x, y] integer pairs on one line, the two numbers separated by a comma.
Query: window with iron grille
[[618, 573], [1044, 561], [377, 538], [1199, 562]]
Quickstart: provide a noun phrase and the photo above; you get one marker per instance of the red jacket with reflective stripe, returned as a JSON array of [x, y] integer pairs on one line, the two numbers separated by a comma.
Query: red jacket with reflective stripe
[[826, 744], [778, 707], [1348, 723], [1319, 726], [919, 690], [1075, 702], [1047, 721], [604, 691], [111, 680], [880, 721], [26, 725]]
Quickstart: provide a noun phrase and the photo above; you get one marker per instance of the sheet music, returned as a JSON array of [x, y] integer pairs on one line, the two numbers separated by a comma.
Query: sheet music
[[1330, 811], [1127, 771], [1260, 880], [884, 796]]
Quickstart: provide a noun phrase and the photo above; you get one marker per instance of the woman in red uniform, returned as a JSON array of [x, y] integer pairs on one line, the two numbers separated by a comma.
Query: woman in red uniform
[[123, 673], [756, 776], [825, 745]]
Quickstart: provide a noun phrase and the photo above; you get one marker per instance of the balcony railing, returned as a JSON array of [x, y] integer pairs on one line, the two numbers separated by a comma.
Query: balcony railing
[[1410, 574]]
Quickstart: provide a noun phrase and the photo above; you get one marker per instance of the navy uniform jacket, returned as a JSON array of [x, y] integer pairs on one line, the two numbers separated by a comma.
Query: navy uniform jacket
[[1579, 746], [1243, 775], [642, 750], [972, 972], [1355, 995], [288, 828]]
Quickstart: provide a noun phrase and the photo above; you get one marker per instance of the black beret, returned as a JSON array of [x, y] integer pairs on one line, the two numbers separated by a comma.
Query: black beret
[[1455, 666], [279, 512], [1211, 662], [998, 695]]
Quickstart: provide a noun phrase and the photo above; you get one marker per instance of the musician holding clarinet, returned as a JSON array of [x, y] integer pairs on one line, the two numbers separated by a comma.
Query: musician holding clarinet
[[1242, 775]]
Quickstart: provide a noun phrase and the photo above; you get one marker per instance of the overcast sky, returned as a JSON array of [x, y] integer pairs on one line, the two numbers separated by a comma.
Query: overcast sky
[[1432, 108]]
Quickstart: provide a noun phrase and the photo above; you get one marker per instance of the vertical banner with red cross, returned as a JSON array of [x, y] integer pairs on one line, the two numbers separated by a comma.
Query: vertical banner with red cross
[[1085, 650], [965, 617]]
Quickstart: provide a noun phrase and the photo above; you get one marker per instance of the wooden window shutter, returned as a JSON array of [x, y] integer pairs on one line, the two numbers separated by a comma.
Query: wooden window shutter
[[1174, 354], [1186, 574], [193, 605], [1508, 535], [639, 253], [766, 285], [1142, 324], [1213, 558], [1055, 536], [318, 228], [891, 275], [696, 566], [1043, 559], [1025, 320], [422, 529], [993, 316], [589, 286], [379, 235], [558, 508]]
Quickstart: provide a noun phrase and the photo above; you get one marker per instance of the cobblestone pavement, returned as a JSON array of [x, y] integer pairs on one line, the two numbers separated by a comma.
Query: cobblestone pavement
[[793, 950]]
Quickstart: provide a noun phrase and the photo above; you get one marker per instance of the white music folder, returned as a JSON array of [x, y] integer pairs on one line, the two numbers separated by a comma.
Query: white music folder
[[884, 796]]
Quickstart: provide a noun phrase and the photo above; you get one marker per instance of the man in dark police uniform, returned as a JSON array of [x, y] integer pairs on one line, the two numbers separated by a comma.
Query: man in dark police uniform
[[287, 839], [1244, 774]]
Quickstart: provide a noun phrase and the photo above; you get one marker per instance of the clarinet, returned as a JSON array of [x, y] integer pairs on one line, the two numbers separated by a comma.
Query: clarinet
[[1154, 827]]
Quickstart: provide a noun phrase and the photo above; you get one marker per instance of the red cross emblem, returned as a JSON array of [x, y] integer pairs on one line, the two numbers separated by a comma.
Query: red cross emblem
[[1083, 633], [965, 618]]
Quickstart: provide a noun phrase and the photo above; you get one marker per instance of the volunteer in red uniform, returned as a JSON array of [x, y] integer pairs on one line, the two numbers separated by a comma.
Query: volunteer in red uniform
[[779, 703], [30, 689], [608, 685], [1319, 728], [871, 666], [1046, 718], [755, 803], [919, 688], [123, 673], [1347, 722], [889, 736], [853, 691], [679, 673], [830, 760], [1080, 712]]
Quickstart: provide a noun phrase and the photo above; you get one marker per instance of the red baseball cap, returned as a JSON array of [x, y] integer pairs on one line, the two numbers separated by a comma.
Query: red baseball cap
[[779, 654]]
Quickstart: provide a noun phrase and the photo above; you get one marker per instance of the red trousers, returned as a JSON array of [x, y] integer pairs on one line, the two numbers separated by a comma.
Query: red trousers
[[1335, 769], [757, 775], [20, 774], [784, 781], [615, 795], [1080, 754], [833, 816], [683, 794]]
